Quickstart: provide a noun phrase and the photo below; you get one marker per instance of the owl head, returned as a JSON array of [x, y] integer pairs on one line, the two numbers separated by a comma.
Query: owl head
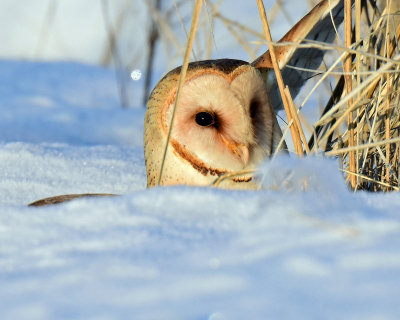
[[224, 123]]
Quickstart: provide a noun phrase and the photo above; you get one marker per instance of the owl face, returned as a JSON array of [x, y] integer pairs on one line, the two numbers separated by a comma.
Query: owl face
[[223, 124]]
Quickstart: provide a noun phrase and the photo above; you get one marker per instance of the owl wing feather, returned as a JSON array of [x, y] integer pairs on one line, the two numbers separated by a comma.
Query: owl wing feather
[[318, 25]]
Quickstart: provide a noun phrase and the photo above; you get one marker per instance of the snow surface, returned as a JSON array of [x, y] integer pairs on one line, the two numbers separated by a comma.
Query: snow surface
[[177, 252]]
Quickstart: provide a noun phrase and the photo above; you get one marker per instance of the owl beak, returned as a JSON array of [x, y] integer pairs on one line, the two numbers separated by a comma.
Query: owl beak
[[240, 150]]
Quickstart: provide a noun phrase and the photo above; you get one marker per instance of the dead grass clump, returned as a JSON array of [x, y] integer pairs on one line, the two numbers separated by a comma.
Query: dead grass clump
[[361, 123]]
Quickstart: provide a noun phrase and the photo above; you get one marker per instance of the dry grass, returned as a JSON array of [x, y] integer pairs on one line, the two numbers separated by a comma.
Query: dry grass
[[360, 124], [361, 127], [285, 94]]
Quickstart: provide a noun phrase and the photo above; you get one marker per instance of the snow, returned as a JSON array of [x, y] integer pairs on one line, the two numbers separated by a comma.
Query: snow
[[286, 252], [136, 74]]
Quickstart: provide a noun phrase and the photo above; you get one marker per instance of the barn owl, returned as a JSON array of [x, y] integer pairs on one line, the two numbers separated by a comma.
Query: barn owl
[[225, 121]]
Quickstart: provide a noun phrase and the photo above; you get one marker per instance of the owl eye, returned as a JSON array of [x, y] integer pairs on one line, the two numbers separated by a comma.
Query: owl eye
[[205, 119]]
